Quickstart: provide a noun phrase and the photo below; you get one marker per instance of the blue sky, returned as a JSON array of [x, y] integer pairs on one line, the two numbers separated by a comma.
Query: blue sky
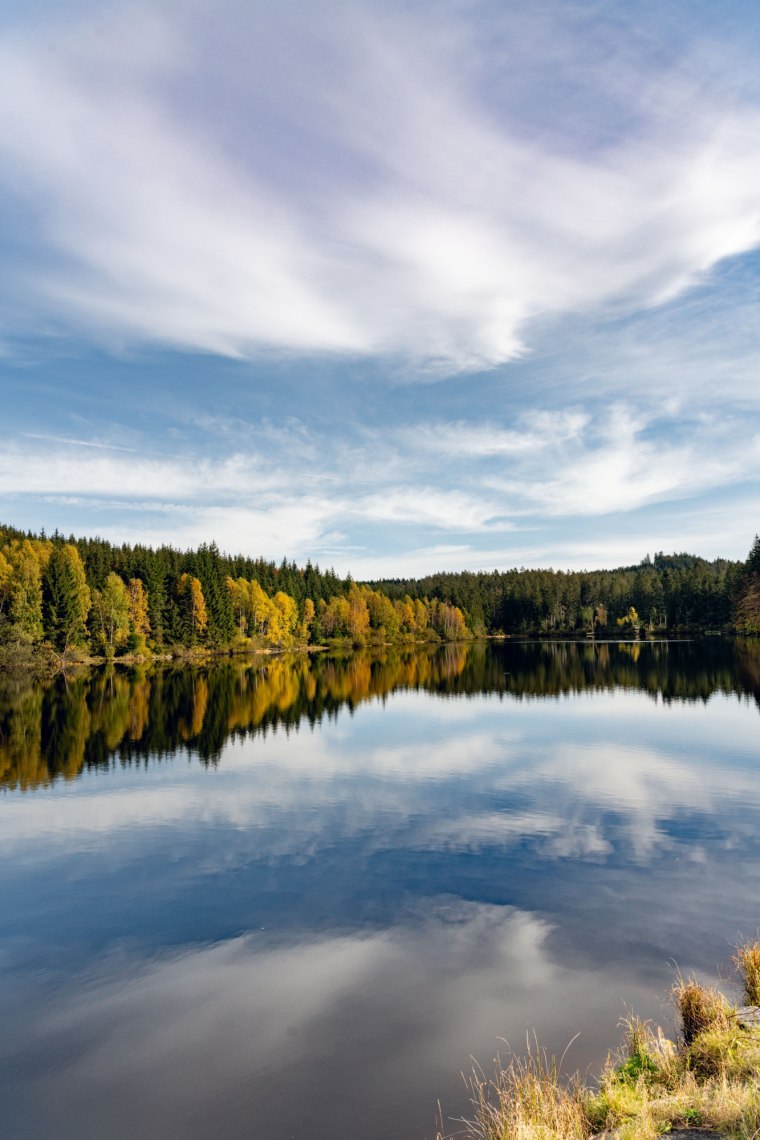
[[397, 287]]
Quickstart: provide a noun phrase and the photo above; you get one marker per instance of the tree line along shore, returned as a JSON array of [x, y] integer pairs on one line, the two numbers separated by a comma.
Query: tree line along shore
[[88, 596]]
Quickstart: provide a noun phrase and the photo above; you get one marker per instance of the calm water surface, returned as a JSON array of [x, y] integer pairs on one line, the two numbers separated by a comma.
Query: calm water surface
[[293, 898]]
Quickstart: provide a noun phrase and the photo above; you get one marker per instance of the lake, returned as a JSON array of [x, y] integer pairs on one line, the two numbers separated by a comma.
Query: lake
[[294, 897]]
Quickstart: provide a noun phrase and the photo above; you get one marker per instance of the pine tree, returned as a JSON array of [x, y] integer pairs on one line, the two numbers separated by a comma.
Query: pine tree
[[192, 607], [212, 575], [753, 559], [747, 610], [66, 598]]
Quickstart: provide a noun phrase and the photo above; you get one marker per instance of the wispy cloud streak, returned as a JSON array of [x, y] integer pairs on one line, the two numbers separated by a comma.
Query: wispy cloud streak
[[336, 180], [468, 495]]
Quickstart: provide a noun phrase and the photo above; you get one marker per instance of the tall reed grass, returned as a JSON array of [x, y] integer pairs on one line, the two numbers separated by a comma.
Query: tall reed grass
[[708, 1077]]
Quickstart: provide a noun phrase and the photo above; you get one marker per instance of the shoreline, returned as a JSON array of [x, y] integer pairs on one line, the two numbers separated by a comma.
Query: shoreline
[[703, 1083], [47, 661], [44, 659]]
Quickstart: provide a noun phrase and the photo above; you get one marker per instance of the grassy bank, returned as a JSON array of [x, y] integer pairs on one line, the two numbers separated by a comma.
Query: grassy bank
[[708, 1078]]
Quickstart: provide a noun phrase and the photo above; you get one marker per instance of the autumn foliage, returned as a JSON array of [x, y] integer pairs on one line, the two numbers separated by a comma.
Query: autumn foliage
[[87, 596]]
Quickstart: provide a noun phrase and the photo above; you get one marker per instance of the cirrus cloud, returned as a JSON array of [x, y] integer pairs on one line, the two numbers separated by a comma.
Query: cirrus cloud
[[337, 180]]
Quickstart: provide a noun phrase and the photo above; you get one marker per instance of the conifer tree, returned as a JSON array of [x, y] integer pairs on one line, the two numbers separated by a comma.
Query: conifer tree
[[66, 598], [194, 617], [212, 576], [6, 579], [747, 616]]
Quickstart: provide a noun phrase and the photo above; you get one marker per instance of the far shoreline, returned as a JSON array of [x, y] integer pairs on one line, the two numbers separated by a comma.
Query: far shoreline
[[44, 661]]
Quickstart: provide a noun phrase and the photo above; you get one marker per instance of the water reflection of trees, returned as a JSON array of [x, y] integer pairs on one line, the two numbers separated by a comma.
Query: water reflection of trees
[[58, 728]]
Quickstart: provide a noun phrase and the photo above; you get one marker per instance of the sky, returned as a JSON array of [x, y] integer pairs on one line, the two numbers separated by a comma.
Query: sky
[[398, 287]]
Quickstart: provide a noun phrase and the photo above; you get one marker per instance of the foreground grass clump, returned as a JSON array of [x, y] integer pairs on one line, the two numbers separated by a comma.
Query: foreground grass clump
[[708, 1078], [657, 1085], [747, 962], [525, 1099], [700, 1008]]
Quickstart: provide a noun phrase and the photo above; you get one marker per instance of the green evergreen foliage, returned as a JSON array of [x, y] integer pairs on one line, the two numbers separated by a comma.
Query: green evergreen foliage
[[148, 711], [66, 598], [47, 585], [752, 565], [677, 592], [210, 569], [747, 615]]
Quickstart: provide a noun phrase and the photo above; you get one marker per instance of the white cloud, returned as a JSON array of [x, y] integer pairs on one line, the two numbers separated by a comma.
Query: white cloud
[[573, 798], [336, 180], [426, 506], [535, 430], [452, 496], [627, 460], [79, 442], [96, 815], [405, 1008], [562, 838]]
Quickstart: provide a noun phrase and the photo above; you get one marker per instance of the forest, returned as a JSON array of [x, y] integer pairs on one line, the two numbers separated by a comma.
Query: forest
[[87, 596]]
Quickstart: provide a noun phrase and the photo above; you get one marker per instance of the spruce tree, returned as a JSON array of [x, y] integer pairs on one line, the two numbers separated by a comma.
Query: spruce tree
[[66, 598]]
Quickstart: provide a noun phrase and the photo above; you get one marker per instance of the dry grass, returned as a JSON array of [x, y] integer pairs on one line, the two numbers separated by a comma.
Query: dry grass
[[700, 1008], [747, 962], [652, 1085], [714, 1083], [525, 1100]]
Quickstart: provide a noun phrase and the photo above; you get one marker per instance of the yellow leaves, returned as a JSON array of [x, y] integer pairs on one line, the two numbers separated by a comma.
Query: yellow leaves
[[307, 620], [191, 590], [261, 610], [406, 615], [273, 621], [21, 585], [44, 591], [112, 607], [138, 608], [354, 616], [382, 614], [421, 615], [358, 614], [6, 575], [240, 596], [285, 617], [199, 705], [363, 611], [631, 618]]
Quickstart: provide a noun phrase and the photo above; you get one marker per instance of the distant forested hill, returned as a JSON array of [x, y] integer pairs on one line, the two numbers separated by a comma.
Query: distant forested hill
[[675, 591]]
